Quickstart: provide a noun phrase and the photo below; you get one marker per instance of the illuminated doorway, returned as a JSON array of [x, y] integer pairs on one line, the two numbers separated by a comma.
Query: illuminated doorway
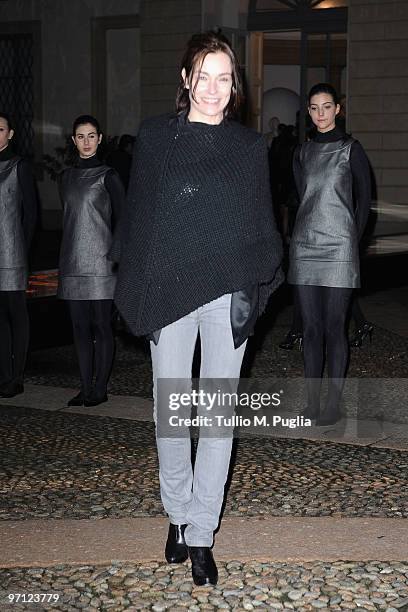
[[293, 44]]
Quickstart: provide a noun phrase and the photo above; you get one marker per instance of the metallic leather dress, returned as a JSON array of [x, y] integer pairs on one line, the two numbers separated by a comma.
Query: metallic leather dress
[[85, 273], [13, 256], [324, 245]]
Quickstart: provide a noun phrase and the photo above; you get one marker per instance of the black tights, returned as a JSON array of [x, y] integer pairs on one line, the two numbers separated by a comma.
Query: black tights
[[14, 334], [94, 343], [356, 314], [324, 313]]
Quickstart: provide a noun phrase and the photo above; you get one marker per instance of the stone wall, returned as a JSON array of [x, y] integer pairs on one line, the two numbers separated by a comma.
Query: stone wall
[[72, 83], [166, 26], [378, 91]]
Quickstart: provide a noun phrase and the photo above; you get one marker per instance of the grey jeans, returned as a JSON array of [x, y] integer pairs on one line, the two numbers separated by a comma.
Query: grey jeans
[[196, 499]]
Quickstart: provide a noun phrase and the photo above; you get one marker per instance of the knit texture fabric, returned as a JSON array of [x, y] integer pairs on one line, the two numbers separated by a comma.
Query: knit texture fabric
[[198, 222]]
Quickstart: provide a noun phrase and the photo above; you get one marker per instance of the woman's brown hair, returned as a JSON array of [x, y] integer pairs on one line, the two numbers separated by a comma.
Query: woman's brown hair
[[198, 47]]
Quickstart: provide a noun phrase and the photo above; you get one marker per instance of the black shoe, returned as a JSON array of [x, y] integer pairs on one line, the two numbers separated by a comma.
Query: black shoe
[[291, 340], [11, 389], [203, 565], [95, 400], [77, 400], [310, 413], [361, 334], [328, 417], [176, 548]]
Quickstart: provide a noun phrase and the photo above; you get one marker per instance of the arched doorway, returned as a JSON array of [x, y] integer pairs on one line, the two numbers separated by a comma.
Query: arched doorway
[[279, 102]]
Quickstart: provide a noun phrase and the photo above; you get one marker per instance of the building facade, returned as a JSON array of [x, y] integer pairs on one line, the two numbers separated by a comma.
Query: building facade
[[119, 59], [378, 96]]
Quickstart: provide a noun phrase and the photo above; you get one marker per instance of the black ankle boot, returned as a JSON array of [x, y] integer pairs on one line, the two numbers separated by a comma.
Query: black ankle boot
[[203, 565], [329, 416], [11, 389], [176, 548], [93, 399], [77, 400], [310, 413], [291, 340]]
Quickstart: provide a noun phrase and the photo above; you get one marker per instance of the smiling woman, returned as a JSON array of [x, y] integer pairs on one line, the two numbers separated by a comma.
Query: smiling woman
[[213, 71], [198, 252], [209, 88]]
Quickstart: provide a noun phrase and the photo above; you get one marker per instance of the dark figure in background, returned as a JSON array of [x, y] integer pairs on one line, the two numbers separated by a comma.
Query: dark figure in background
[[333, 181], [363, 328], [18, 214], [121, 158], [341, 117], [281, 174], [273, 157], [273, 124], [92, 198], [294, 337]]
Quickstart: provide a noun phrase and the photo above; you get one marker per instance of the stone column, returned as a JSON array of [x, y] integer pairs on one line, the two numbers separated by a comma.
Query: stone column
[[378, 91], [166, 25]]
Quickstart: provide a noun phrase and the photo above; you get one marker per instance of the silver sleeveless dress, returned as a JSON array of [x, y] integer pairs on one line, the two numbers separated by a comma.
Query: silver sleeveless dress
[[85, 272], [13, 256], [324, 244]]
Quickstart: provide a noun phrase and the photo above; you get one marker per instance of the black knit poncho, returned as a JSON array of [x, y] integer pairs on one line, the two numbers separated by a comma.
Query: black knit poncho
[[198, 221]]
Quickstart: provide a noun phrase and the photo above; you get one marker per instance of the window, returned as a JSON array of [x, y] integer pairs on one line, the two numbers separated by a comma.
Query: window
[[280, 5], [17, 88]]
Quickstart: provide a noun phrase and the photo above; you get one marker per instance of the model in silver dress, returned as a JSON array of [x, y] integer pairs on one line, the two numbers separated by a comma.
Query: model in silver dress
[[333, 181], [18, 213], [92, 195]]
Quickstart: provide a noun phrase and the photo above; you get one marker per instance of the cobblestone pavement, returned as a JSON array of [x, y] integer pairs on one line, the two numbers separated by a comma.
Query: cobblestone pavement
[[242, 586], [77, 466], [386, 357]]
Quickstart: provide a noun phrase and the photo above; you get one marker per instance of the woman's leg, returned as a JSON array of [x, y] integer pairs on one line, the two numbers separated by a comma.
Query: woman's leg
[[20, 329], [14, 334], [104, 344], [336, 303], [311, 308], [172, 358], [297, 325], [80, 311], [6, 350], [219, 360]]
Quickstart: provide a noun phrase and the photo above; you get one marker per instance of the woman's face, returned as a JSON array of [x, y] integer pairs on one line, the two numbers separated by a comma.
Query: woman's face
[[213, 90], [86, 140], [323, 111], [5, 134]]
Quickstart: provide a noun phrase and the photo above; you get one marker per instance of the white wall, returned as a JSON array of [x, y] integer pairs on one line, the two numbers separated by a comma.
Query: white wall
[[289, 77], [279, 102], [282, 76]]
